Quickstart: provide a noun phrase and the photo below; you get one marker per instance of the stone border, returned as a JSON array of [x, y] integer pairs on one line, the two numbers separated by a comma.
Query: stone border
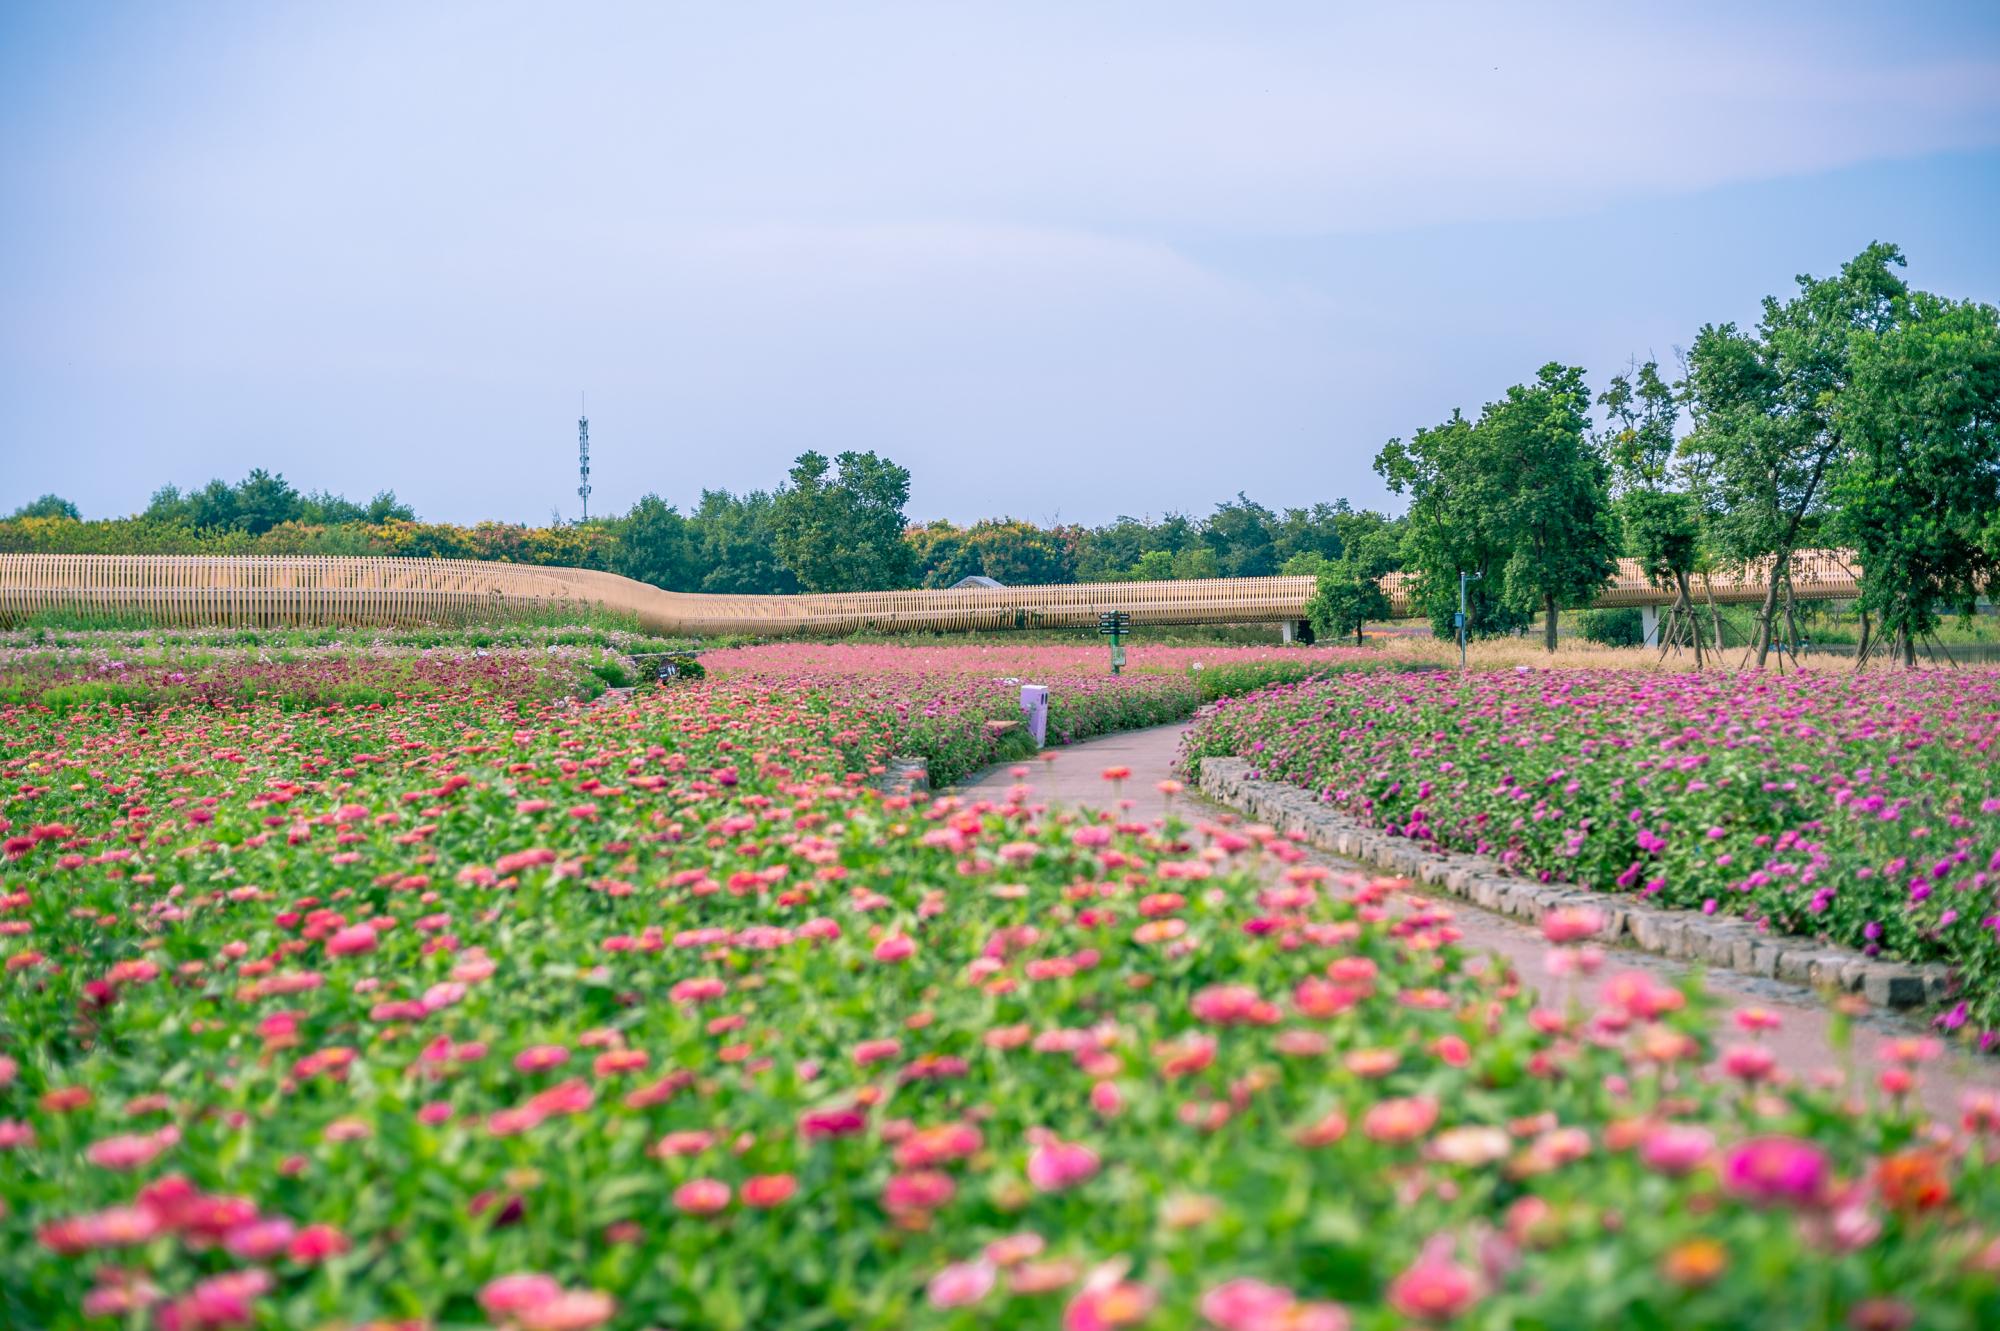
[[1718, 940]]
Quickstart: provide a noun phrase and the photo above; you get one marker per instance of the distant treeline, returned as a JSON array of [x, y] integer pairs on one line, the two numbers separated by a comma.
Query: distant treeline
[[1858, 413], [835, 525]]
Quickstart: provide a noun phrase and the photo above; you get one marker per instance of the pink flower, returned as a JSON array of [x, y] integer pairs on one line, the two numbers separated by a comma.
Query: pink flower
[[539, 1058], [702, 1196], [1232, 1005], [1396, 1121], [764, 1191], [1749, 1062], [1776, 1170], [351, 941], [961, 1284], [819, 1123], [218, 1302], [1675, 1148], [1435, 1289], [259, 1240], [571, 1310], [896, 947], [1106, 1305], [917, 1190], [128, 1152], [316, 1243], [1571, 924], [1252, 1305], [1054, 1165]]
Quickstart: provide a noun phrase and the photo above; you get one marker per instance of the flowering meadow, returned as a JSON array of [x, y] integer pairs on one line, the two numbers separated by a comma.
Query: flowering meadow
[[459, 1011], [1862, 809], [943, 698]]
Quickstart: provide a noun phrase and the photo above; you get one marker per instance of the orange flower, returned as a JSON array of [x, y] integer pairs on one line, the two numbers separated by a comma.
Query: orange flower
[[1695, 1263], [1913, 1180]]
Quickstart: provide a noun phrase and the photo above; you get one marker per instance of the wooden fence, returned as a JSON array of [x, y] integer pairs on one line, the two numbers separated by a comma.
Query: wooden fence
[[265, 591]]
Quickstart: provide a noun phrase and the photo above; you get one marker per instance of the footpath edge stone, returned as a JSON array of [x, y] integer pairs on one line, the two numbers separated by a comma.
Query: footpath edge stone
[[1722, 942]]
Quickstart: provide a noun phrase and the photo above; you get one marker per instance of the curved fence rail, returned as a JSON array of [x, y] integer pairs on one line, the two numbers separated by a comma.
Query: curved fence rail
[[308, 590]]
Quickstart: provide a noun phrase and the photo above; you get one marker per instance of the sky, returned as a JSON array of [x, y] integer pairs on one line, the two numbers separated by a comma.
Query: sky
[[1062, 261]]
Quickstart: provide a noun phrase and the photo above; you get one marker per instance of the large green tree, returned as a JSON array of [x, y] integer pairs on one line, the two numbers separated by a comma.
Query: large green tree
[[1557, 508], [1661, 522], [1453, 525], [839, 524], [735, 544], [1766, 430], [1520, 497], [1918, 486], [656, 546]]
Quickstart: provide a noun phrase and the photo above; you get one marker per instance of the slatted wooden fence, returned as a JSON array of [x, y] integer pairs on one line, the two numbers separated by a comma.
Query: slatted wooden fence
[[311, 590]]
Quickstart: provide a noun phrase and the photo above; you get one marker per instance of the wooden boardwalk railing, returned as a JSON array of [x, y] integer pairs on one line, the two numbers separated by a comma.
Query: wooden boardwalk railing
[[309, 590]]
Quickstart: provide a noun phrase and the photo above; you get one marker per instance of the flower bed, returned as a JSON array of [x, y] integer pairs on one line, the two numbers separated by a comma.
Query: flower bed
[[1865, 810], [65, 681], [657, 1015], [945, 700]]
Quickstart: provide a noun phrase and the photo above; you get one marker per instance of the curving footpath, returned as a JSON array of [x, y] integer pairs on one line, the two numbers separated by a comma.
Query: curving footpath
[[1803, 1042]]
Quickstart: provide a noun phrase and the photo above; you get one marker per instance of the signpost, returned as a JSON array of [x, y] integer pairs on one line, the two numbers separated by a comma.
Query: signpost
[[1458, 620], [1114, 624]]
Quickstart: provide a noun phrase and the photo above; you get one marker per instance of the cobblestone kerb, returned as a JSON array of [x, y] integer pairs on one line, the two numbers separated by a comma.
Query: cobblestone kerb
[[1715, 940]]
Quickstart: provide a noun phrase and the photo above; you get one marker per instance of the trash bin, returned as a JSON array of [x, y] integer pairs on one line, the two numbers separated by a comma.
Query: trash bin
[[1035, 703]]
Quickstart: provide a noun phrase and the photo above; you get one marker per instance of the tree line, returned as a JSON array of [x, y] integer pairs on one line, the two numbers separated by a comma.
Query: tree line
[[834, 524], [1857, 413]]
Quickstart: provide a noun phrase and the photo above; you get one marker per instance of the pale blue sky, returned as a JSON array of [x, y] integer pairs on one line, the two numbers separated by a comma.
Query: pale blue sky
[[1060, 260]]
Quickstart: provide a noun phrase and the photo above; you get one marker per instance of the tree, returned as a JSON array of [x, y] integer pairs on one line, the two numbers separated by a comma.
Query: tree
[[1349, 594], [264, 500], [1007, 550], [1556, 510], [654, 546], [1453, 524], [734, 541], [1153, 566], [1766, 429], [1240, 534], [1918, 485], [1518, 497], [1662, 525], [49, 506], [839, 524], [1197, 561]]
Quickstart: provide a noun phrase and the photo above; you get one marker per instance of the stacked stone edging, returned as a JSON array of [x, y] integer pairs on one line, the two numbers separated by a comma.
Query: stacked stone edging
[[1716, 940]]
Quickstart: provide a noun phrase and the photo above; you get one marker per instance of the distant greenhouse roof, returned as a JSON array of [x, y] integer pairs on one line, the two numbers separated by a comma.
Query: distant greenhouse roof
[[976, 580]]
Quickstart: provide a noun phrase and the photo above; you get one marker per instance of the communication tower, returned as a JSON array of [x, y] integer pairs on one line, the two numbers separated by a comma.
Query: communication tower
[[583, 458]]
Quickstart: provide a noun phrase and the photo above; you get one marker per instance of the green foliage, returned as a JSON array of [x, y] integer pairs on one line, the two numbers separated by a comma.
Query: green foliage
[[1767, 440], [1005, 549], [839, 524], [1518, 496], [655, 546], [1612, 628], [1197, 561], [48, 506], [1346, 599], [1918, 485]]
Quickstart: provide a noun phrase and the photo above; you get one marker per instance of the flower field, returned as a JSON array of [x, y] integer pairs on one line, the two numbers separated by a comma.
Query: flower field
[[1862, 809], [462, 1011]]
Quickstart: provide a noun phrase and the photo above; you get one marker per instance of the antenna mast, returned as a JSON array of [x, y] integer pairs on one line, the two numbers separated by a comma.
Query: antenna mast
[[583, 455]]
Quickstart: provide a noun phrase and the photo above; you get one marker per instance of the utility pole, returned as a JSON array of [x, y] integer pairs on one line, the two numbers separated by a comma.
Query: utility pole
[[1459, 618], [583, 458]]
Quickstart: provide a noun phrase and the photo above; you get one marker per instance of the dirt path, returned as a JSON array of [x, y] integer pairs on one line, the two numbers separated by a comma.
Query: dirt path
[[1802, 1043]]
